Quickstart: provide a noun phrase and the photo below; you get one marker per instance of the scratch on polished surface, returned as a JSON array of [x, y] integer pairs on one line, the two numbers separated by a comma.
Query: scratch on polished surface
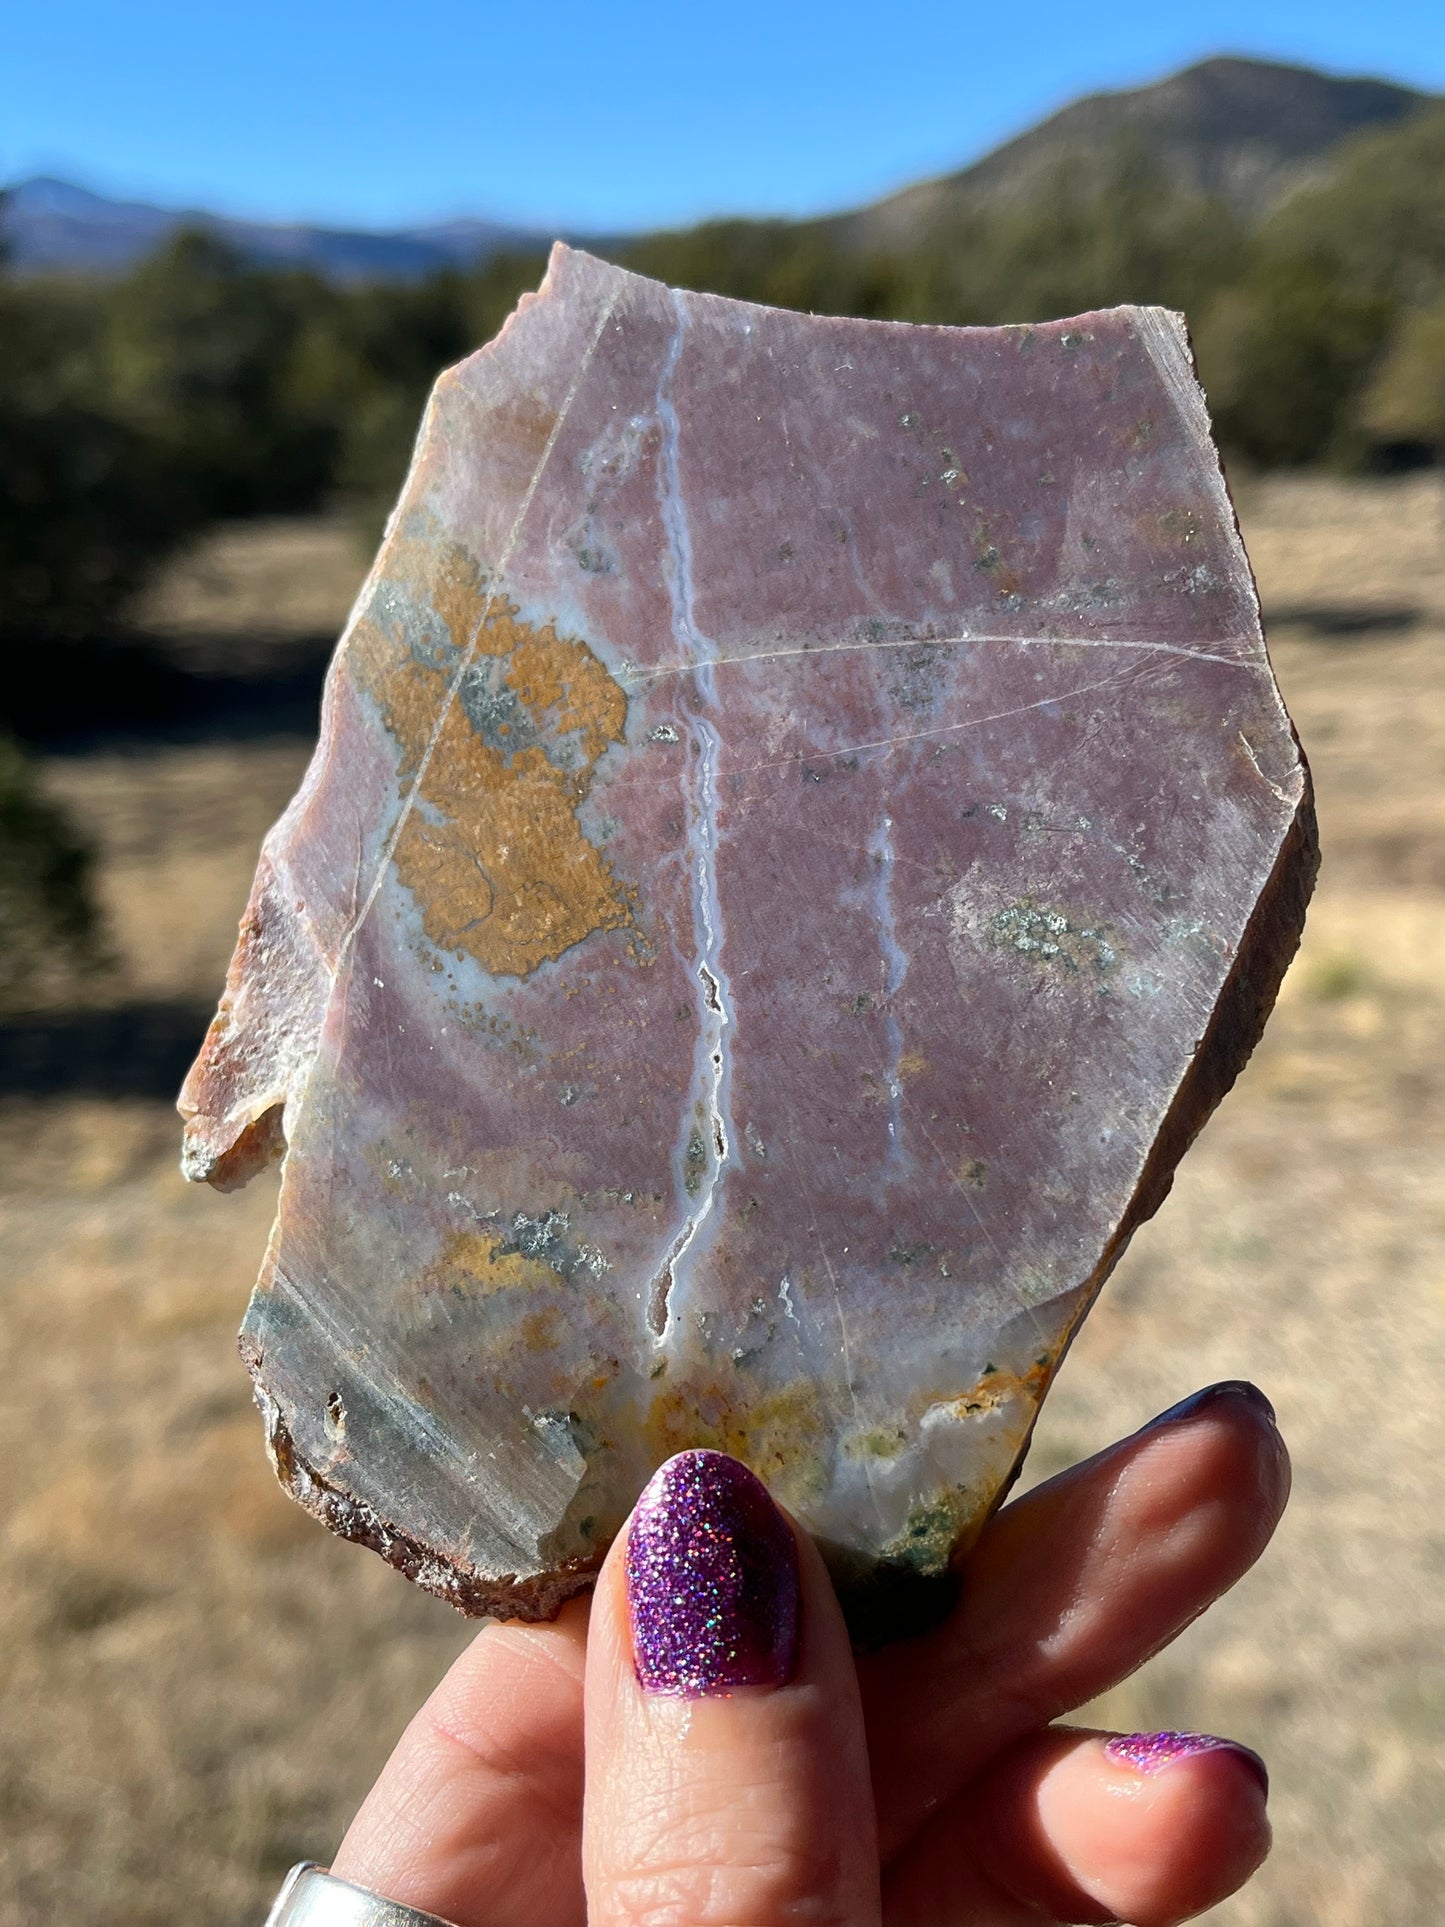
[[924, 640]]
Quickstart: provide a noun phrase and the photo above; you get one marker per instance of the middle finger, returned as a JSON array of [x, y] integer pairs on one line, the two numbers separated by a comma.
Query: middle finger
[[1069, 1590]]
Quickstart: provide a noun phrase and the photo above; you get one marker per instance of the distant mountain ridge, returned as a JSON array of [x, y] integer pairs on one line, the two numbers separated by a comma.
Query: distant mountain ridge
[[1247, 131], [53, 225]]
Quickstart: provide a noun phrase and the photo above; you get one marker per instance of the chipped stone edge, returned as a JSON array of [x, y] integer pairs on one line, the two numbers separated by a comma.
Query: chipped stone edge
[[472, 1593]]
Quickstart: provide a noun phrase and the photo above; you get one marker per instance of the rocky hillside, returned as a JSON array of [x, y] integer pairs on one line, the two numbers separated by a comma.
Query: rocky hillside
[[1244, 131]]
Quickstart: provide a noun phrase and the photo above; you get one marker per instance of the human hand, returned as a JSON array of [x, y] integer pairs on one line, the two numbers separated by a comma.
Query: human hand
[[923, 1787]]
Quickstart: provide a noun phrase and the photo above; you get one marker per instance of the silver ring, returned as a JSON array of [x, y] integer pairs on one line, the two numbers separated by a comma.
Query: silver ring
[[311, 1896]]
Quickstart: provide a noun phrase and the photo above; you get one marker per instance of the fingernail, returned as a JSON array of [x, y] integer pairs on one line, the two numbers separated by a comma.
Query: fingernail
[[1197, 1402], [712, 1581], [1150, 1752]]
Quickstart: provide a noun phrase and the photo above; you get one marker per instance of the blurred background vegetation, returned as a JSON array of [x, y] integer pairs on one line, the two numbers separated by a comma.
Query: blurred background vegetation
[[196, 456], [201, 387]]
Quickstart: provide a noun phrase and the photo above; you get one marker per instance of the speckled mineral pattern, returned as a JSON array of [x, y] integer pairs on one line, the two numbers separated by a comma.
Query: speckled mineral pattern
[[803, 833]]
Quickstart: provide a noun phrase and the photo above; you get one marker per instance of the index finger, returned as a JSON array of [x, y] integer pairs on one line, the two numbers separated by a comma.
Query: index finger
[[477, 1814]]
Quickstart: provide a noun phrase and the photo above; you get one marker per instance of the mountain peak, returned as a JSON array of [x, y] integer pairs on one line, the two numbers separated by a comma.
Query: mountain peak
[[1247, 131]]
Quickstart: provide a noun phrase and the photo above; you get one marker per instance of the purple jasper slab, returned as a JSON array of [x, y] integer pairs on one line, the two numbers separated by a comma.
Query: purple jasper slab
[[803, 833]]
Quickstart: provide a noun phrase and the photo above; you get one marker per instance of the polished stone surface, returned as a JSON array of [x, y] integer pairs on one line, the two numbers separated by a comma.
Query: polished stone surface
[[803, 832]]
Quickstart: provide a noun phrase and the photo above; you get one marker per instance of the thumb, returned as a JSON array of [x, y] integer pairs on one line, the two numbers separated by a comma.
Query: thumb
[[726, 1778]]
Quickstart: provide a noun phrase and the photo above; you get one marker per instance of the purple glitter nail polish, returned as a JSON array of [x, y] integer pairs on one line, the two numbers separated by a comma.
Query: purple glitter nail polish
[[1148, 1752], [712, 1581]]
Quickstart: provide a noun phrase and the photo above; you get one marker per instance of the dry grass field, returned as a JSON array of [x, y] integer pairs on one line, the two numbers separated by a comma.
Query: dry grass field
[[196, 1681]]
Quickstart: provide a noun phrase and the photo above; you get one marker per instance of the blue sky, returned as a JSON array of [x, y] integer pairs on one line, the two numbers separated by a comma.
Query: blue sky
[[597, 116]]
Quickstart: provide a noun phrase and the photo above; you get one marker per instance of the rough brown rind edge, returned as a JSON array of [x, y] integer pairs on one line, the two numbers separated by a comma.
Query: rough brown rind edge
[[470, 1592], [262, 1142]]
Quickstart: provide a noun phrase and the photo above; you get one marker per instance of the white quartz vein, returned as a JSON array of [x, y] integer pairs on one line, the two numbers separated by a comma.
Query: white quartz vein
[[895, 969], [705, 1146]]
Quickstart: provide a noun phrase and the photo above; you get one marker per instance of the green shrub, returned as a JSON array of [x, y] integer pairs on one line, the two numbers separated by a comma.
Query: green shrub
[[48, 920], [87, 500], [1404, 402], [1283, 354], [200, 360]]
